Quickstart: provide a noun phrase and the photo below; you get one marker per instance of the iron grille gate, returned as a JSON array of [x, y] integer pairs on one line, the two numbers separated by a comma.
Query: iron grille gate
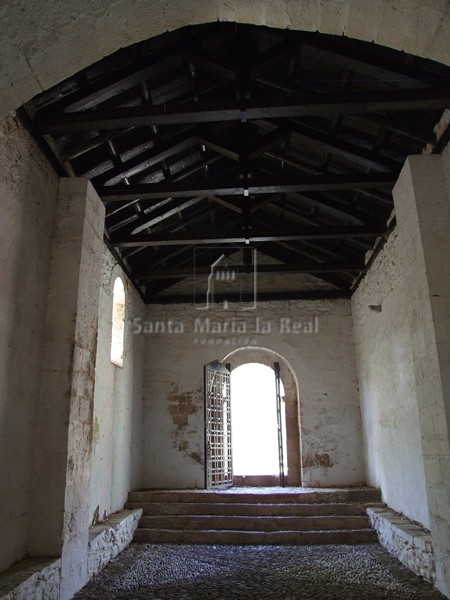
[[219, 470], [276, 367]]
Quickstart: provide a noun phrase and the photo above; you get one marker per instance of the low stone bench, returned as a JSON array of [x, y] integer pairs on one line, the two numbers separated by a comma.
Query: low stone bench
[[110, 537], [32, 578], [407, 541], [41, 577]]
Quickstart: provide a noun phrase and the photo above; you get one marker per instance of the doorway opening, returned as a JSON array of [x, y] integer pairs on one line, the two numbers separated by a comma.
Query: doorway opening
[[220, 468], [258, 428]]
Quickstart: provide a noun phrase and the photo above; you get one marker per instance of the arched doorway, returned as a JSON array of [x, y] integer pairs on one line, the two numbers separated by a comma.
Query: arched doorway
[[258, 424], [245, 364]]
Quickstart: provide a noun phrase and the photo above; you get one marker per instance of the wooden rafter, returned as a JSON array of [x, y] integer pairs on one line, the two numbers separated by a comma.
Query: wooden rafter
[[230, 135], [248, 187], [264, 269], [313, 233], [233, 110]]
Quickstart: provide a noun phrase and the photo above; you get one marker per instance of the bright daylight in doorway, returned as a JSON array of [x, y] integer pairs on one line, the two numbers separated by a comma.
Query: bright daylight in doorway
[[254, 420]]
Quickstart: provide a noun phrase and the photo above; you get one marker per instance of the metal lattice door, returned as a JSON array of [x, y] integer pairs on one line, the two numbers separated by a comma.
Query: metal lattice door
[[219, 472], [276, 367]]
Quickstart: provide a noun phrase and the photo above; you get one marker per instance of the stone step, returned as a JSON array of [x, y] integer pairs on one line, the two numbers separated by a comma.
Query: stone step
[[251, 509], [170, 536], [245, 523], [255, 516], [302, 496]]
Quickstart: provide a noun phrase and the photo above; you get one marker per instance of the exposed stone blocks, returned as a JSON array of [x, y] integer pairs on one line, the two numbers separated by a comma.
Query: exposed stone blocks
[[41, 578], [109, 538], [409, 542], [363, 19], [32, 578]]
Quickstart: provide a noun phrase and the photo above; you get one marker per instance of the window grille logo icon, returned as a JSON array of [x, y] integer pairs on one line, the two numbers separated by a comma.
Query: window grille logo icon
[[224, 281]]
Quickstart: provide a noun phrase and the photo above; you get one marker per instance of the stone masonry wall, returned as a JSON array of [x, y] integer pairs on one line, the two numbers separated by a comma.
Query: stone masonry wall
[[392, 449], [409, 542], [109, 538], [49, 41], [315, 338], [32, 578]]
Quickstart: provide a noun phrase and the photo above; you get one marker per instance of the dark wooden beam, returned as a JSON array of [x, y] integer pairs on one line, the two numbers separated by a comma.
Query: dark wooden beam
[[146, 221], [413, 130], [307, 104], [216, 145], [288, 251], [148, 158], [342, 148], [141, 62], [270, 57], [213, 66], [329, 204], [234, 207], [310, 233], [364, 59], [281, 269], [275, 137], [116, 82], [246, 187], [303, 167], [261, 297]]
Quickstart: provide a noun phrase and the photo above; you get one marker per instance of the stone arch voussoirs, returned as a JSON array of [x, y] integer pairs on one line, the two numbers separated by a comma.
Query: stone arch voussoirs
[[48, 42]]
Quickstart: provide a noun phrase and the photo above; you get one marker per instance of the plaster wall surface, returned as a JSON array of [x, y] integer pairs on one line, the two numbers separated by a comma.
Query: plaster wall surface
[[77, 197], [28, 191], [423, 211], [322, 360], [117, 423], [390, 417], [44, 42], [63, 443]]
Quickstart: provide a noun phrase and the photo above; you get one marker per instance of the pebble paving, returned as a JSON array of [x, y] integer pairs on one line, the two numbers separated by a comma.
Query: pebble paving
[[330, 572]]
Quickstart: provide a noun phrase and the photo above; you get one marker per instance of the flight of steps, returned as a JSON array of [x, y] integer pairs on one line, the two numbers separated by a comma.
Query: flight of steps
[[229, 517]]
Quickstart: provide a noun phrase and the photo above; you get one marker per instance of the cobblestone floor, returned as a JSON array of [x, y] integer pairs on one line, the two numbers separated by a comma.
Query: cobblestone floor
[[333, 572]]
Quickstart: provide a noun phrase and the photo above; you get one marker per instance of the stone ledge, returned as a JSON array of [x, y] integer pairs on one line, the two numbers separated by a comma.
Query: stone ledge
[[32, 578], [409, 542], [110, 537], [41, 577]]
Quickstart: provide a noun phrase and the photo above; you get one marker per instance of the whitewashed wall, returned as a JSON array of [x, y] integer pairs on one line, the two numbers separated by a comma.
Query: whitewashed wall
[[117, 427], [323, 362], [393, 449], [28, 190]]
